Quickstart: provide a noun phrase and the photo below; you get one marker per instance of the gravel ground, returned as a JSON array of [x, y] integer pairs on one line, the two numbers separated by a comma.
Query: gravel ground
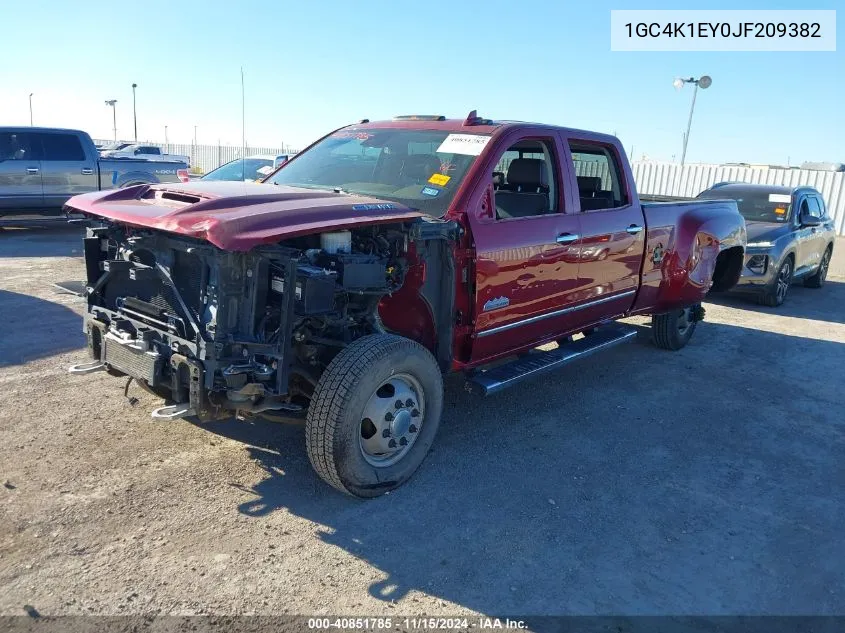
[[707, 481]]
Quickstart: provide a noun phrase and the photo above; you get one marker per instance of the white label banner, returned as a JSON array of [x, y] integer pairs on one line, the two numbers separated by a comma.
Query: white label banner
[[723, 30], [468, 144]]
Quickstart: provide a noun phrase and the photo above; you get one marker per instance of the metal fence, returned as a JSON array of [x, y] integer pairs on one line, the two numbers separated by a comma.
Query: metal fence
[[204, 158], [670, 179]]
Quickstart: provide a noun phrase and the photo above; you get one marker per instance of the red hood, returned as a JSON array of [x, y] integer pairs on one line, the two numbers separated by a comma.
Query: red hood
[[237, 216]]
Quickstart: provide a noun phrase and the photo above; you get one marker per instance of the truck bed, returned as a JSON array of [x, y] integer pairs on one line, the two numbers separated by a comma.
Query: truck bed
[[689, 245]]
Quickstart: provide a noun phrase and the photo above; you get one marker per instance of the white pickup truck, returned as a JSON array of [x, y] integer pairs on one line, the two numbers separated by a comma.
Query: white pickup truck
[[147, 152]]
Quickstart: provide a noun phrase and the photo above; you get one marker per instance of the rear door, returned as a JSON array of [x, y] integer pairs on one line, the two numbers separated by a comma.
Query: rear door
[[612, 228], [526, 242], [66, 171], [20, 172]]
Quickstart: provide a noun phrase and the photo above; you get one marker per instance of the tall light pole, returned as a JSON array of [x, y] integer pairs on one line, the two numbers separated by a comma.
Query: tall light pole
[[243, 116], [30, 108], [112, 102], [166, 143], [702, 82], [134, 113]]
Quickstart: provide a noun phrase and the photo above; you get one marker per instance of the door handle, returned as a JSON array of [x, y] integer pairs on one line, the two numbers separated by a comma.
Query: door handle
[[87, 171], [32, 170], [634, 229], [567, 238]]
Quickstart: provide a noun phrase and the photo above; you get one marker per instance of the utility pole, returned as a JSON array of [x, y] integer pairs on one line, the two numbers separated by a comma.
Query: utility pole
[[112, 102], [243, 115], [30, 108], [166, 143], [134, 113]]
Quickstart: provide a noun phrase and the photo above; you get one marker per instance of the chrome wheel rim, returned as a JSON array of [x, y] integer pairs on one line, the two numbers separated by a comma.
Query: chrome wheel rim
[[391, 420], [783, 281], [685, 321]]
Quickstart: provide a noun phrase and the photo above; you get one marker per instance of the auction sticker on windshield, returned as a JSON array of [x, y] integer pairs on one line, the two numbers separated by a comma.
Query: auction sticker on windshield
[[439, 179], [467, 144]]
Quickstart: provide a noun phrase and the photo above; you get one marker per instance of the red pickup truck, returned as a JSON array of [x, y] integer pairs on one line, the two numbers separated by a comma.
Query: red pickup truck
[[345, 285]]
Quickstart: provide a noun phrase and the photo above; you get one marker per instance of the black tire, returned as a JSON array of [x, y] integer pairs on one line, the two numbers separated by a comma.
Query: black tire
[[334, 426], [818, 278], [673, 330], [774, 295]]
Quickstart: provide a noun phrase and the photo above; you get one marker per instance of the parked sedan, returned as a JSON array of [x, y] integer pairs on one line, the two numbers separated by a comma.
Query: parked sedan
[[790, 237], [250, 168]]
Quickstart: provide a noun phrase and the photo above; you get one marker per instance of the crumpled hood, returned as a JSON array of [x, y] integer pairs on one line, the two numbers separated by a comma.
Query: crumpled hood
[[238, 216], [766, 231]]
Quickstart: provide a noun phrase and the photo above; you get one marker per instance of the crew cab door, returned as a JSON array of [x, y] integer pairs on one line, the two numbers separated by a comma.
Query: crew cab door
[[526, 244], [612, 228], [20, 172], [65, 169]]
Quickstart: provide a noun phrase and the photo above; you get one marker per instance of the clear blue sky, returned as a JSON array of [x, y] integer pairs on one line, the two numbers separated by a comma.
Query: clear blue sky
[[313, 66]]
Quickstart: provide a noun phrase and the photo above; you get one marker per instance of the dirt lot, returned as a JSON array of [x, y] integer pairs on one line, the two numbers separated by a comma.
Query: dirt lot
[[707, 481]]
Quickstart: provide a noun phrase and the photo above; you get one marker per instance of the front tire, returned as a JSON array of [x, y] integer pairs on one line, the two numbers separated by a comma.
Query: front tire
[[818, 278], [374, 415], [673, 330], [775, 295]]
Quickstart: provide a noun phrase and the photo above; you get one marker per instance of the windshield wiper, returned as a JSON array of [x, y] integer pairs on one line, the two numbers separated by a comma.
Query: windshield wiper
[[319, 188]]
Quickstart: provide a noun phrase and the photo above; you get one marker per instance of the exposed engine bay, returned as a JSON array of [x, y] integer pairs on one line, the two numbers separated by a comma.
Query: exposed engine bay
[[216, 332]]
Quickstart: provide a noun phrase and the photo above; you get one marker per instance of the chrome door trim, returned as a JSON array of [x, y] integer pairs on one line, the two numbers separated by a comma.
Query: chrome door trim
[[549, 315]]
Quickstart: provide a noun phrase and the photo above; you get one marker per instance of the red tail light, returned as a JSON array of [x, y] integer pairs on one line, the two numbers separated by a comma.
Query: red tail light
[[183, 175]]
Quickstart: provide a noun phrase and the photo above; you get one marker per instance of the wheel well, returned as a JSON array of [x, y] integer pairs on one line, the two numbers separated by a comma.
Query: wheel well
[[728, 268]]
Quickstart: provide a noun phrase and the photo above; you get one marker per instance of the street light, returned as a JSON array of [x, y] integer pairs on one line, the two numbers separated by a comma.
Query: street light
[[702, 82], [30, 108], [134, 114], [112, 102]]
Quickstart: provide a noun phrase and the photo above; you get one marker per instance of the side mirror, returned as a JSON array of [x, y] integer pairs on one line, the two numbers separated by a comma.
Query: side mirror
[[810, 220]]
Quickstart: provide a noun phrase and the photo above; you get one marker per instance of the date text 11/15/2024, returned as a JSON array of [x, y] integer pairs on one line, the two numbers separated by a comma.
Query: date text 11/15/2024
[[423, 623]]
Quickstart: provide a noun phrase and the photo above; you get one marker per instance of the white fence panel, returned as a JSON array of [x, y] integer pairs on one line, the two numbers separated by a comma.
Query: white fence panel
[[670, 179]]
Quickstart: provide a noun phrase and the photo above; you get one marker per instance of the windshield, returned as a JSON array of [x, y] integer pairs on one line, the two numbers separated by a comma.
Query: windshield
[[114, 147], [241, 169], [756, 206], [421, 169]]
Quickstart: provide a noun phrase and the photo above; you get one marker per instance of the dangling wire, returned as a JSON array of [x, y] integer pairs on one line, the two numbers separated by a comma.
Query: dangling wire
[[132, 400]]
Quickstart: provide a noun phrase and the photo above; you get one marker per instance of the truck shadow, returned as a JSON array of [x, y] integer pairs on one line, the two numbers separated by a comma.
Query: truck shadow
[[54, 241], [46, 328], [639, 482], [818, 304]]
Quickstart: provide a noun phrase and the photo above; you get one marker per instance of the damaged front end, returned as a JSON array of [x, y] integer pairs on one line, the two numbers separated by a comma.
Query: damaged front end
[[217, 333]]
